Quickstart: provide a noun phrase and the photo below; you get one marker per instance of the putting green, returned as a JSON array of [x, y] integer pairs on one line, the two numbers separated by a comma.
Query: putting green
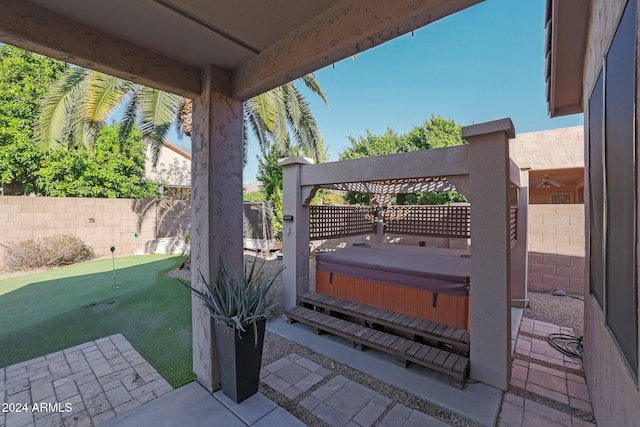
[[47, 312], [28, 300]]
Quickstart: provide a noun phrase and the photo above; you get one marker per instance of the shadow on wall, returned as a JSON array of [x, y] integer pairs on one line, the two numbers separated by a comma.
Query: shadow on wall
[[171, 217], [548, 272]]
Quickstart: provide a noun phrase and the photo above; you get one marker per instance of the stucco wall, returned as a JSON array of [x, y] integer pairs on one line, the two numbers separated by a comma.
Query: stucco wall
[[549, 149], [556, 248], [614, 391], [115, 221], [173, 167]]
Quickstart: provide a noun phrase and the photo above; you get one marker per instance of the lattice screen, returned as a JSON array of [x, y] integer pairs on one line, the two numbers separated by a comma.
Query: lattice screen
[[439, 221], [327, 221]]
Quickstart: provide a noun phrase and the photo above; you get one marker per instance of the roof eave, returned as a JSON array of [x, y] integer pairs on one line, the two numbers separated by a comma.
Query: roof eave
[[567, 27]]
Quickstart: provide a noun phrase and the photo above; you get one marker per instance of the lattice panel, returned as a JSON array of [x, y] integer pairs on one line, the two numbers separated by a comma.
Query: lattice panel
[[332, 221], [437, 221]]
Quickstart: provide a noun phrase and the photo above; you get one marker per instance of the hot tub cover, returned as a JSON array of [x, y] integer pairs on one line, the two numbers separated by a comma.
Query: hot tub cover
[[448, 274]]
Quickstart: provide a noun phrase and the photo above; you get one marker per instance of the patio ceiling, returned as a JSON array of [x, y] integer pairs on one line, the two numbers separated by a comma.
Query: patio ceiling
[[166, 43]]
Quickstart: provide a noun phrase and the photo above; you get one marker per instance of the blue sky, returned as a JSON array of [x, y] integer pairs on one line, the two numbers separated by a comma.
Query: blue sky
[[481, 64]]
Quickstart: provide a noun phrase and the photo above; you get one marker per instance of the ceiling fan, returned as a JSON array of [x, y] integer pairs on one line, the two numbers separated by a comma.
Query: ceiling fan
[[548, 183]]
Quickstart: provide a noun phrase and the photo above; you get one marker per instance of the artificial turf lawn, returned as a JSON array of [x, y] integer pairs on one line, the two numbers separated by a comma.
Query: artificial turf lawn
[[54, 310]]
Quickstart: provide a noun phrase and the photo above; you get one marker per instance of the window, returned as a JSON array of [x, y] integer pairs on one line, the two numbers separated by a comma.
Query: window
[[561, 198], [613, 184]]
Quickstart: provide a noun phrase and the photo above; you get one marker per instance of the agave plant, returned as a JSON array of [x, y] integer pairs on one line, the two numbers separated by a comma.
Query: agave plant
[[238, 301]]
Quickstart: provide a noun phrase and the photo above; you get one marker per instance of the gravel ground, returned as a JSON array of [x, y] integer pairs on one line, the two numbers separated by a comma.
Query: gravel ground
[[565, 311]]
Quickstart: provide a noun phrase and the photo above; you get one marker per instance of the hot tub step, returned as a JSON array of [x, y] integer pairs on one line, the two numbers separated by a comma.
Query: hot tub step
[[452, 364], [438, 334]]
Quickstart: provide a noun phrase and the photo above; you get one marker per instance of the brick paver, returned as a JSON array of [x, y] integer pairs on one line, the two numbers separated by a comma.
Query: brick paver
[[545, 387], [84, 385]]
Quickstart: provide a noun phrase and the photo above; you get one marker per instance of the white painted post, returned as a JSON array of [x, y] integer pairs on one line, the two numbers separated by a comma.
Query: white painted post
[[295, 231], [216, 206], [490, 351]]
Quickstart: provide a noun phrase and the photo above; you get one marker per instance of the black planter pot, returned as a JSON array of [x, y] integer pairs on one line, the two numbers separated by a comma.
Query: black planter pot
[[239, 360]]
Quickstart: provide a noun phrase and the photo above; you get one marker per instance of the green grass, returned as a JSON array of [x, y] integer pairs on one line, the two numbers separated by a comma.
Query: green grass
[[46, 312]]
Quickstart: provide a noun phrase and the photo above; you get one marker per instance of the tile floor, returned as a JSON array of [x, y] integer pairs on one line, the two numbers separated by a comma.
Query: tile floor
[[339, 401], [80, 386], [547, 387], [100, 380]]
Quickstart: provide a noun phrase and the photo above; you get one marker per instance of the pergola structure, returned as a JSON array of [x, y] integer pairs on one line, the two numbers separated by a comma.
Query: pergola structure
[[493, 183], [218, 53]]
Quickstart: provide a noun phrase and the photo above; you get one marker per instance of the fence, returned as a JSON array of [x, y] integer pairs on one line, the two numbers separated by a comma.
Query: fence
[[100, 223], [330, 221], [556, 248]]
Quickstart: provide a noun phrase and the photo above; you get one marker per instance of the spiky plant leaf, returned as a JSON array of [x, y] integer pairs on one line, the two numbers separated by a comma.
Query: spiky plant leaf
[[105, 93], [156, 112], [59, 115]]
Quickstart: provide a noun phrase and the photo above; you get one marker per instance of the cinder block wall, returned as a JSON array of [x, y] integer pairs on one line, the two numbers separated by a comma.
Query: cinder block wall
[[556, 248], [100, 223]]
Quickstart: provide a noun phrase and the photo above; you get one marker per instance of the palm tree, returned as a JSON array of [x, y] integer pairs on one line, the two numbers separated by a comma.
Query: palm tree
[[81, 101]]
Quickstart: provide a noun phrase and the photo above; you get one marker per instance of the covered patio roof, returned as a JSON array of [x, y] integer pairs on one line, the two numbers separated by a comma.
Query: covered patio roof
[[219, 53], [166, 43]]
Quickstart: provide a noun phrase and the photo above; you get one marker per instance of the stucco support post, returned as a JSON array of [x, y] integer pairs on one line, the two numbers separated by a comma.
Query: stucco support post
[[520, 253], [490, 351], [216, 206], [295, 230]]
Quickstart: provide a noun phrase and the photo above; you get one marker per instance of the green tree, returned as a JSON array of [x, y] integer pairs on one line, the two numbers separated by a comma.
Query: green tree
[[81, 101], [433, 133], [113, 170], [24, 80], [270, 174]]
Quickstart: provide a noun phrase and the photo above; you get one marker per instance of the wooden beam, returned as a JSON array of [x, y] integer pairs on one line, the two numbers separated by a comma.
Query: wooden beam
[[448, 161], [39, 30], [347, 28]]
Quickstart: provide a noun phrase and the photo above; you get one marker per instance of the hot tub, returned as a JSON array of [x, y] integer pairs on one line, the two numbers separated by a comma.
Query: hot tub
[[428, 283]]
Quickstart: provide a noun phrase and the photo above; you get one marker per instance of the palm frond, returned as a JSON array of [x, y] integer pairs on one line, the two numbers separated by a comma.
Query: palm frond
[[129, 116], [302, 122], [280, 131], [59, 110], [312, 84], [156, 111], [105, 93]]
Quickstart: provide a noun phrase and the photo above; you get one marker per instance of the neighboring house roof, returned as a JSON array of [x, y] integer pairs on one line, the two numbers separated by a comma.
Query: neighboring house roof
[[173, 167], [250, 187]]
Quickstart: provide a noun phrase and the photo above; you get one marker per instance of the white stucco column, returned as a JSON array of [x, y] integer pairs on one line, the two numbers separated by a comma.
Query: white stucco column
[[490, 351], [295, 230], [520, 252], [216, 206]]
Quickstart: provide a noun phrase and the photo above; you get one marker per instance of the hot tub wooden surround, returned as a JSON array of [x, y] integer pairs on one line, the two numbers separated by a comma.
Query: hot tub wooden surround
[[410, 339], [427, 283]]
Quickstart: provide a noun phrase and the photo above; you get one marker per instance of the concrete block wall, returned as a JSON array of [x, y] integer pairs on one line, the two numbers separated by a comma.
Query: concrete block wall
[[100, 223], [556, 248]]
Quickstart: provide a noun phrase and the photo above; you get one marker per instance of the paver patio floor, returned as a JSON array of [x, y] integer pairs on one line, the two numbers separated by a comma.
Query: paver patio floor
[[547, 387], [84, 385], [97, 381]]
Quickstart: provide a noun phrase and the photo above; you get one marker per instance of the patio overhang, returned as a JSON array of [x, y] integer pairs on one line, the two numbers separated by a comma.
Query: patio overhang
[[566, 24], [166, 43]]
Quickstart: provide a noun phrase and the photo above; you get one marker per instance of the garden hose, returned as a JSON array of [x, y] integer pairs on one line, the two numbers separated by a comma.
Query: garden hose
[[568, 345]]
